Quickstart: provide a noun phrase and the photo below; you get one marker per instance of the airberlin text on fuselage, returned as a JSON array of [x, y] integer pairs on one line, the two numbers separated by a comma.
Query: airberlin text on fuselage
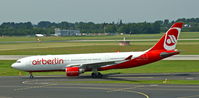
[[47, 61]]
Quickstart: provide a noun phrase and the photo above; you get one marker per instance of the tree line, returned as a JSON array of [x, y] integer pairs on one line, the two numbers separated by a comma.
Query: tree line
[[47, 27]]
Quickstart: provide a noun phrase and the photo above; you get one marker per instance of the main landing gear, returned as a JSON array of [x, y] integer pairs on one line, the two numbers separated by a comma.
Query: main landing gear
[[31, 76], [96, 74]]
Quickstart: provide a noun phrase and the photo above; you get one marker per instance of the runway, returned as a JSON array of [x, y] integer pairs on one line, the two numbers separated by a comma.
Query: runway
[[175, 57], [61, 86]]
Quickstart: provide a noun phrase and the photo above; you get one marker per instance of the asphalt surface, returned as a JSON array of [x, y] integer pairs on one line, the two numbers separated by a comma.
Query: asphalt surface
[[175, 57], [60, 86]]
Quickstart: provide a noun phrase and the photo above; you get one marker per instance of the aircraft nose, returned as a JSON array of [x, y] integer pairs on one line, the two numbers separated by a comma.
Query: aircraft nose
[[16, 66]]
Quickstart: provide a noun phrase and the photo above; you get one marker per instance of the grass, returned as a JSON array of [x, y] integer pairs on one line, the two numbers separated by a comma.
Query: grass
[[67, 50], [186, 47], [6, 70], [184, 35], [117, 37], [48, 45], [157, 67]]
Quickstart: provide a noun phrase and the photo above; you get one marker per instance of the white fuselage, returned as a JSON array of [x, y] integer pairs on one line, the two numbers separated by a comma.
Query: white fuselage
[[75, 64], [60, 62]]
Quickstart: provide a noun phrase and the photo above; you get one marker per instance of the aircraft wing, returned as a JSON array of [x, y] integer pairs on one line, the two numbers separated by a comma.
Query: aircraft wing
[[91, 65]]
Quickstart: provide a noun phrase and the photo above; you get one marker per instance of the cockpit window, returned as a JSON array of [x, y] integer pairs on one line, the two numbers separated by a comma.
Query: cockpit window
[[18, 62]]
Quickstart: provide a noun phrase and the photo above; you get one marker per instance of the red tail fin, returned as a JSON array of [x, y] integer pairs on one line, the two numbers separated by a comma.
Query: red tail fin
[[169, 40]]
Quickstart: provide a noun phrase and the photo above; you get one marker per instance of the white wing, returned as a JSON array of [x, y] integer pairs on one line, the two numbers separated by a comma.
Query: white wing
[[99, 64]]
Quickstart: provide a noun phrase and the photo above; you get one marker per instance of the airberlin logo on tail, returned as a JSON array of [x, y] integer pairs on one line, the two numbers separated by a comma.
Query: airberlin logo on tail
[[47, 61], [171, 39]]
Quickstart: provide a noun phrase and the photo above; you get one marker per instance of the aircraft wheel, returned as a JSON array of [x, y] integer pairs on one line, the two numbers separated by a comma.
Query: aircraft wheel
[[100, 75], [96, 75], [93, 75], [31, 76]]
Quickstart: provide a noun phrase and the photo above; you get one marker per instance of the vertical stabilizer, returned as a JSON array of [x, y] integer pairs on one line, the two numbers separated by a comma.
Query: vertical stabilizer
[[169, 40]]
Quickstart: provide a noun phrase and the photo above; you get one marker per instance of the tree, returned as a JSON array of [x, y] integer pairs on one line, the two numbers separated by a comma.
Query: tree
[[44, 24], [110, 28]]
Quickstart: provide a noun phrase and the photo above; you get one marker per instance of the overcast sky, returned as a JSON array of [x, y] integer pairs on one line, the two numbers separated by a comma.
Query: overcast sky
[[97, 11]]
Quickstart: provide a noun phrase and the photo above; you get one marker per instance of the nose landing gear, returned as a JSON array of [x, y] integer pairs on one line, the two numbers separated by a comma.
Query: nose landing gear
[[31, 75]]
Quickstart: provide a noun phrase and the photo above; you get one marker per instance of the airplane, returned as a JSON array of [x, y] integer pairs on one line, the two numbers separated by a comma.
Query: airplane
[[39, 35], [76, 64]]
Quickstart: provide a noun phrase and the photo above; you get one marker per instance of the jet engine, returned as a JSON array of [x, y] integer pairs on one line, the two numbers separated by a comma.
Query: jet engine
[[73, 71]]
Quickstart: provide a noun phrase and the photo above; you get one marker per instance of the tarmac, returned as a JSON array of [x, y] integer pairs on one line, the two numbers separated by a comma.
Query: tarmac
[[61, 86]]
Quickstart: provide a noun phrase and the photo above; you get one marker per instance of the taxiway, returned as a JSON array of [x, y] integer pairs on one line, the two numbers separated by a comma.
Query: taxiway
[[58, 87]]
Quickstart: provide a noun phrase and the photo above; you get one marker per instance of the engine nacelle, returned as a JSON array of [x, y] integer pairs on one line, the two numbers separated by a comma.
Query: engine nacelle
[[73, 71]]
